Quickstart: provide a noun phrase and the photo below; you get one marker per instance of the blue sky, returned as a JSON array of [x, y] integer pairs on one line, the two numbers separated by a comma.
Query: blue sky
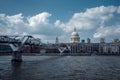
[[60, 9], [50, 18]]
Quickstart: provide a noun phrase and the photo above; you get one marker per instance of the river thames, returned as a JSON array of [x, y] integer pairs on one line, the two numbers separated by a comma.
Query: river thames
[[61, 68]]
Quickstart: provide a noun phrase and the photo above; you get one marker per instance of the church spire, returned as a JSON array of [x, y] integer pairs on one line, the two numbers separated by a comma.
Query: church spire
[[57, 40]]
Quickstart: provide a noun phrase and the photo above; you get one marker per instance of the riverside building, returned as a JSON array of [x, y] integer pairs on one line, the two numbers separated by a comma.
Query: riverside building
[[75, 46]]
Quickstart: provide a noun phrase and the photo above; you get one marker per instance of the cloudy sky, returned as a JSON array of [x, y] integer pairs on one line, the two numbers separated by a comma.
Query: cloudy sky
[[47, 19]]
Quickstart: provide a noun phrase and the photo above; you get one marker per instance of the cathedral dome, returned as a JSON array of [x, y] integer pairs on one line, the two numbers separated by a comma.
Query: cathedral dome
[[74, 37], [74, 34]]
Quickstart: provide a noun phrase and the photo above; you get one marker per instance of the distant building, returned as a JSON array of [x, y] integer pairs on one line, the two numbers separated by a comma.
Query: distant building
[[88, 40], [116, 40], [82, 41], [102, 40], [74, 37], [56, 40], [73, 47]]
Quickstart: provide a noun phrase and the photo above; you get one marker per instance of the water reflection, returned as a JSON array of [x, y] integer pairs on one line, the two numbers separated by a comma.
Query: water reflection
[[62, 68], [16, 71]]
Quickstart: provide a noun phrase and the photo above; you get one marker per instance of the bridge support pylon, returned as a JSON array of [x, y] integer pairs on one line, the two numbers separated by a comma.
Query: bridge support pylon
[[16, 57]]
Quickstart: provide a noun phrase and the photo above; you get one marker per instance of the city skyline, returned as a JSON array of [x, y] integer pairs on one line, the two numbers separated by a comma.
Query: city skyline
[[50, 19]]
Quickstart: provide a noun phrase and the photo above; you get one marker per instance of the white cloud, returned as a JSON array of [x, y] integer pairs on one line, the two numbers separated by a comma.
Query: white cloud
[[39, 19], [110, 31], [113, 30], [118, 10], [39, 24], [90, 19], [87, 22], [15, 19], [34, 25]]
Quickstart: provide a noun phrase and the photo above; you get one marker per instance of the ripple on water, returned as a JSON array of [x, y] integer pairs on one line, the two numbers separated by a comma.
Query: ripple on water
[[61, 68]]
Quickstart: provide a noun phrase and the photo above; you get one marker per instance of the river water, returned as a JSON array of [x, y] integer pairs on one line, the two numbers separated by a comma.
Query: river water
[[61, 68]]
